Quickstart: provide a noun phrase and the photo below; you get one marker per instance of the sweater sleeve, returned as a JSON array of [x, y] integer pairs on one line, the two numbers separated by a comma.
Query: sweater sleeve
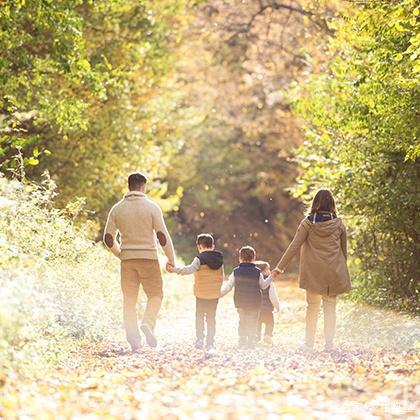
[[110, 234], [163, 235], [343, 241], [228, 286], [274, 299], [264, 283], [188, 269], [298, 240]]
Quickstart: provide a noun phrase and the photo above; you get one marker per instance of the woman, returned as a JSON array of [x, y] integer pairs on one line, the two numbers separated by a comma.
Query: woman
[[323, 272]]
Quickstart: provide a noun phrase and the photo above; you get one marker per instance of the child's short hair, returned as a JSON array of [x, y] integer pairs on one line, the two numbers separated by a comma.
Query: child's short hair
[[205, 240], [262, 265], [247, 253]]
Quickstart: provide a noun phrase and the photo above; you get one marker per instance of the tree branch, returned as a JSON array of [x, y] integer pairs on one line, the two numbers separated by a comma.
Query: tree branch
[[320, 21]]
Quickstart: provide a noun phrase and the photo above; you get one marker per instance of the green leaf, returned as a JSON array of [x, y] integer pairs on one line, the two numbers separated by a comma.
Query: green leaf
[[31, 161]]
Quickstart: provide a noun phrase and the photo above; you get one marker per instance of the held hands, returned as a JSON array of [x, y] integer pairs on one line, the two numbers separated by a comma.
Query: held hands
[[275, 272], [169, 267]]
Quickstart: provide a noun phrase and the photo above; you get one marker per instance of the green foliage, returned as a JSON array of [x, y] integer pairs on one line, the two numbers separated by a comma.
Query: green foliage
[[233, 159], [83, 93], [363, 133], [44, 57], [54, 283], [231, 188], [58, 289]]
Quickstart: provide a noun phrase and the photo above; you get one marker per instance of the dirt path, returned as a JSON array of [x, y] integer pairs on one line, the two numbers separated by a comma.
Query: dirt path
[[177, 381]]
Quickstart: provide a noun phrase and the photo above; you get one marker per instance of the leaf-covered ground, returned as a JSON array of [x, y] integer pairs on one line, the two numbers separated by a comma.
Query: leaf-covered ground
[[372, 374]]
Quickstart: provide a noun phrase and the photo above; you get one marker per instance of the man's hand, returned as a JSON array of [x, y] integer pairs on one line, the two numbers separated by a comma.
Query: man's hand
[[169, 267]]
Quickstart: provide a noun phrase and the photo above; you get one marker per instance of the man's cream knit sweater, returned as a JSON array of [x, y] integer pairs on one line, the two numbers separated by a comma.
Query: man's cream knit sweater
[[140, 223]]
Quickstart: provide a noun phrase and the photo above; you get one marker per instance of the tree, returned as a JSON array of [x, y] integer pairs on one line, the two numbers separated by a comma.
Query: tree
[[234, 160], [363, 142], [83, 93]]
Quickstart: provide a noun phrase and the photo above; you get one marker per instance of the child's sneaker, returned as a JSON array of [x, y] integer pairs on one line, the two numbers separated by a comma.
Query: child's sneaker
[[268, 340], [305, 348], [210, 345], [199, 343]]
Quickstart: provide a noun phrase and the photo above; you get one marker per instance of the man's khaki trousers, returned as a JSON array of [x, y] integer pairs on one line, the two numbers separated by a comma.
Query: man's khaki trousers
[[314, 304], [147, 273]]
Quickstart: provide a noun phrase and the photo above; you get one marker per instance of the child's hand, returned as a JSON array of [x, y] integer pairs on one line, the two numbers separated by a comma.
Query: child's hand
[[169, 267], [276, 272]]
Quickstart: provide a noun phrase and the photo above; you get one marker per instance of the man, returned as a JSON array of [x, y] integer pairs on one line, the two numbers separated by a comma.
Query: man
[[139, 221]]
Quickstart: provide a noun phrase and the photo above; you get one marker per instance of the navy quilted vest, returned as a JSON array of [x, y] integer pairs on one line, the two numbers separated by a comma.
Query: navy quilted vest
[[247, 287]]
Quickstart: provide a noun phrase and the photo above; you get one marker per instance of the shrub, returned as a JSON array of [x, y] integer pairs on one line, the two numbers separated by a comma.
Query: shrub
[[363, 132], [55, 283]]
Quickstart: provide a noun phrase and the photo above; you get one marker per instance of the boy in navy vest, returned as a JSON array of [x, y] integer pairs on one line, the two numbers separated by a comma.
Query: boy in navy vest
[[269, 301], [248, 281]]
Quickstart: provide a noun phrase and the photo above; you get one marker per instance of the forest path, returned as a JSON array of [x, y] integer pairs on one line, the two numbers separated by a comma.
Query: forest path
[[177, 381]]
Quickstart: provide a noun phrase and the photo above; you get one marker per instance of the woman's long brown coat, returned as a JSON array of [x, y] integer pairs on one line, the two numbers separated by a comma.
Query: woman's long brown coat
[[323, 258]]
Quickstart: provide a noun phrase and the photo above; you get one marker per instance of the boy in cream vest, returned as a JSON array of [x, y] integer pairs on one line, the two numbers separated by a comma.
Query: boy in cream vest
[[207, 267]]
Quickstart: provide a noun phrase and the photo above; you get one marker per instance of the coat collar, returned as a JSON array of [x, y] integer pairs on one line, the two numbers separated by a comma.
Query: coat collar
[[135, 194]]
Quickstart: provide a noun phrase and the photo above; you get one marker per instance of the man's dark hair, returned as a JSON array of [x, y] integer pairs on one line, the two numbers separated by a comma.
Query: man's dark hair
[[136, 180], [247, 254], [205, 240]]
